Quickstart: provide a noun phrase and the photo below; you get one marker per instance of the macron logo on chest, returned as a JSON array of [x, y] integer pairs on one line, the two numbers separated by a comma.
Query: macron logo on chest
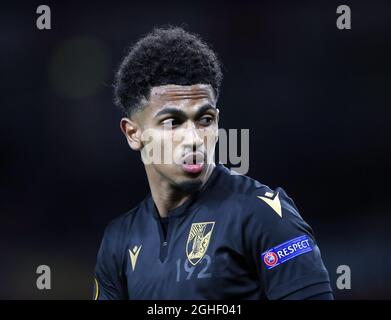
[[134, 255]]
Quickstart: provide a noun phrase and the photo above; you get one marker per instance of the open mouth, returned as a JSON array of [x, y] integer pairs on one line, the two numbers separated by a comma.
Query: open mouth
[[193, 162]]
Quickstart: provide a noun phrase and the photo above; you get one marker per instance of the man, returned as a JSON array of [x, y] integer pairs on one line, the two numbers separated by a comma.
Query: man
[[203, 232]]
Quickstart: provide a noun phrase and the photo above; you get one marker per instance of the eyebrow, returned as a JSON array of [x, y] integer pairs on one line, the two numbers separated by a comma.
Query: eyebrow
[[180, 113]]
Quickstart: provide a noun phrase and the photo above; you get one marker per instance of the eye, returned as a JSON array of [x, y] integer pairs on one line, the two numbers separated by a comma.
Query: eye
[[170, 122], [206, 120]]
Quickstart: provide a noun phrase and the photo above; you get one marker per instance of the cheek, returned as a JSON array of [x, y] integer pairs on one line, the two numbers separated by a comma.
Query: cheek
[[210, 138], [153, 150]]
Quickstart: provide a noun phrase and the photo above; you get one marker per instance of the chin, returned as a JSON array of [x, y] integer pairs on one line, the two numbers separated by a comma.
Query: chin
[[190, 185]]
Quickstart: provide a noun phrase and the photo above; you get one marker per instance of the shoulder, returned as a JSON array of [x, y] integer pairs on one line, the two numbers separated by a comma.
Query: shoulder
[[119, 226], [115, 235], [260, 202], [267, 202]]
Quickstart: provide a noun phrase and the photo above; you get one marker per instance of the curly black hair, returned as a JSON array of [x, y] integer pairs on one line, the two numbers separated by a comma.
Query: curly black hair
[[167, 55]]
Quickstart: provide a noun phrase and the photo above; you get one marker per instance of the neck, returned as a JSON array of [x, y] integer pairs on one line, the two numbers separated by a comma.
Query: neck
[[165, 194]]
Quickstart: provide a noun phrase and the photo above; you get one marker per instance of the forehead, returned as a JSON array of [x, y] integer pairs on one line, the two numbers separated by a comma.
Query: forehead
[[181, 96]]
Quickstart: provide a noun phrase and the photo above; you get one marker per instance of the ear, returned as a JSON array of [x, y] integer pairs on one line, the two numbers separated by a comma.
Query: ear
[[132, 132]]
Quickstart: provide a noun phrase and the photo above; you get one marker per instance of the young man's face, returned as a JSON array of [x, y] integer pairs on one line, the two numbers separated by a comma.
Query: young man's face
[[176, 133]]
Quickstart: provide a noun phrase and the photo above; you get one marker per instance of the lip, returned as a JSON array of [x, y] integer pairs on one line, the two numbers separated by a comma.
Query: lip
[[193, 168], [193, 162]]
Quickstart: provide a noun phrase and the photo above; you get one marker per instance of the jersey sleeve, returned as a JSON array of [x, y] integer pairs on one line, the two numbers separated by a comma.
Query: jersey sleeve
[[283, 249], [109, 283]]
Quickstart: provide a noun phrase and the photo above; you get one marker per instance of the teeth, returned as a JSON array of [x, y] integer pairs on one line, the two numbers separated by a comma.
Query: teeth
[[193, 159]]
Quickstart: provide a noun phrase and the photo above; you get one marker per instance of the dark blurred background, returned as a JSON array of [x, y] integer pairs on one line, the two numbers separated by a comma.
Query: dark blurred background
[[316, 100]]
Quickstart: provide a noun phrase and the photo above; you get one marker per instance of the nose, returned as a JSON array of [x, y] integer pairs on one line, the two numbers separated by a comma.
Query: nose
[[191, 138]]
